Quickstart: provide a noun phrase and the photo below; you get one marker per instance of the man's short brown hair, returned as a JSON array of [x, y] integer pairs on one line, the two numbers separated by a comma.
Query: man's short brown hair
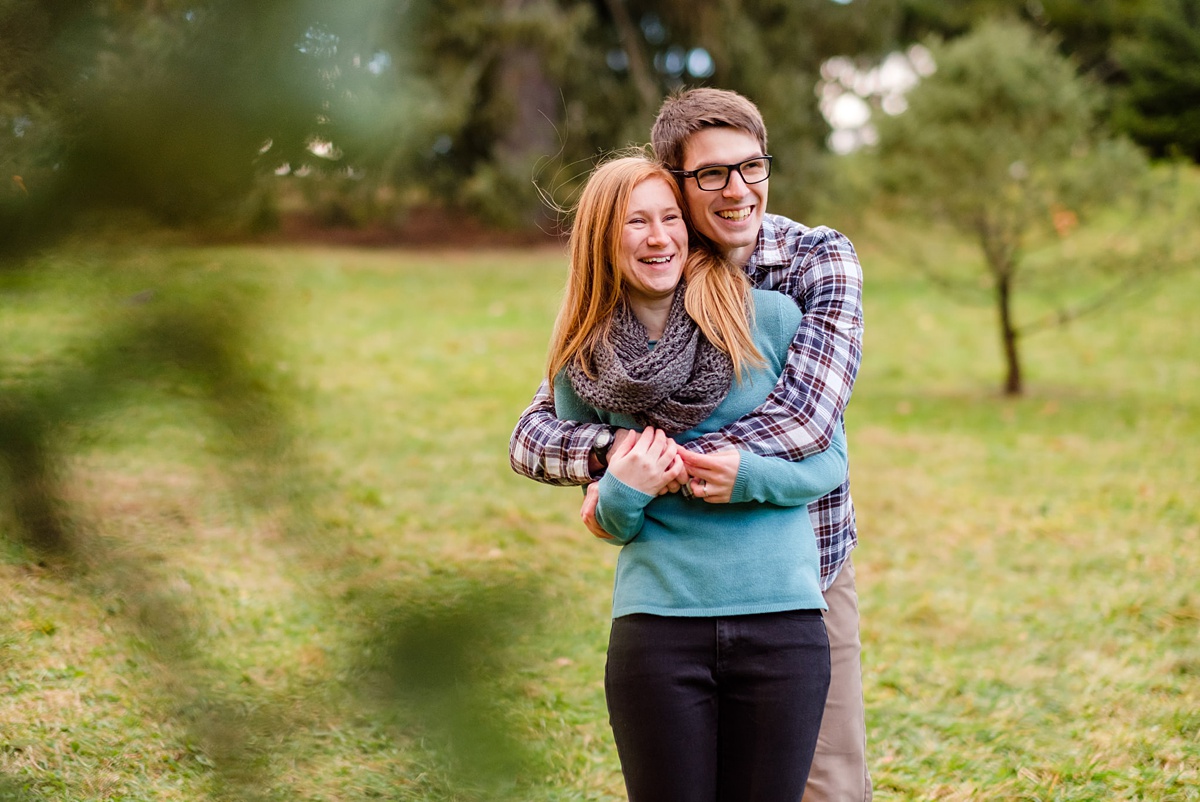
[[685, 112]]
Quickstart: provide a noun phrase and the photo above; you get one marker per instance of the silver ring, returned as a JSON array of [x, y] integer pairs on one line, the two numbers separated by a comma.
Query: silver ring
[[704, 487]]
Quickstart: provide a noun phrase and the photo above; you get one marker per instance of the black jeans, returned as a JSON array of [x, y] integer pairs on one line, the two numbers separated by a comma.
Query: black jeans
[[717, 709]]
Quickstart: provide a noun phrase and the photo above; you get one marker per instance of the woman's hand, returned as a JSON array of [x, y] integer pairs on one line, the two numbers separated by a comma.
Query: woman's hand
[[649, 462], [712, 475]]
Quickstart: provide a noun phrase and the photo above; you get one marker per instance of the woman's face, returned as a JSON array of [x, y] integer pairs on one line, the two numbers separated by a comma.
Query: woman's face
[[654, 241]]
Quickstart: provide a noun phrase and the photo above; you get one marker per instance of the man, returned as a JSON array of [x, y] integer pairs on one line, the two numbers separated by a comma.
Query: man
[[715, 142]]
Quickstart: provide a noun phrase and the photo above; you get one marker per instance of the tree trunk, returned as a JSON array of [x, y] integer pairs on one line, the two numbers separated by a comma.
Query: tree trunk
[[639, 70], [521, 82], [1008, 334], [1000, 252], [530, 132]]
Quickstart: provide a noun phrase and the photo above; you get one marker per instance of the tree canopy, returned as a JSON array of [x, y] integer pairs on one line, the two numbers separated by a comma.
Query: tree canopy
[[1146, 51], [369, 108], [376, 109]]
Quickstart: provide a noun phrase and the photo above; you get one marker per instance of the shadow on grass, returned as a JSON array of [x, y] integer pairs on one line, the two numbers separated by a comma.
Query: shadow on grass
[[12, 790]]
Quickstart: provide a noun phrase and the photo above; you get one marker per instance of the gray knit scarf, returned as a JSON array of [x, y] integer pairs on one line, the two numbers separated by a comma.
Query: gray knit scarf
[[672, 387]]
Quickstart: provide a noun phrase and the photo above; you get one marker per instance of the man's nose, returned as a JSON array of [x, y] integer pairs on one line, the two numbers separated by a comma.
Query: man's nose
[[736, 187]]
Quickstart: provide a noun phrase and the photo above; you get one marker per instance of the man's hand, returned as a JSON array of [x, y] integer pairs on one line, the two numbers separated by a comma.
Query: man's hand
[[677, 476], [588, 512], [619, 437], [712, 475]]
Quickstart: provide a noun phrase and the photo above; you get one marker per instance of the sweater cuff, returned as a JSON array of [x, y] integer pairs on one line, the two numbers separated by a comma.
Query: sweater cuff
[[621, 493], [620, 508], [741, 484]]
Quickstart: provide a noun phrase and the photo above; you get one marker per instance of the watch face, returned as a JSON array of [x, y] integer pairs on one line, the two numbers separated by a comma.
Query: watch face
[[604, 439]]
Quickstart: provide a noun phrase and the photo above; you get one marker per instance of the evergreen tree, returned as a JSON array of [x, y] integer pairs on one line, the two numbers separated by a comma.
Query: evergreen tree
[[1160, 106]]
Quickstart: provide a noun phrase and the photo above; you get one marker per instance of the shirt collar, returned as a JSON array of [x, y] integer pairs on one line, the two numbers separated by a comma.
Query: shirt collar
[[770, 247]]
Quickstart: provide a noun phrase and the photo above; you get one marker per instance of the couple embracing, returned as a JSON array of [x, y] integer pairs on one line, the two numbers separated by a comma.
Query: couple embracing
[[698, 373]]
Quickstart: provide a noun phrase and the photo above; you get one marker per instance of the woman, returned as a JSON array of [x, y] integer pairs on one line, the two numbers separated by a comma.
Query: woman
[[718, 661]]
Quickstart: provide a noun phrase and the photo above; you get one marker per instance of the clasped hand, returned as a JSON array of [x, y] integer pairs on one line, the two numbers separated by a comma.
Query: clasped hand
[[648, 461], [653, 463]]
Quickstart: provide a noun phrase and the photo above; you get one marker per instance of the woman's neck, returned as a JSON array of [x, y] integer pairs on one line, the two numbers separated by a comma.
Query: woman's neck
[[653, 314]]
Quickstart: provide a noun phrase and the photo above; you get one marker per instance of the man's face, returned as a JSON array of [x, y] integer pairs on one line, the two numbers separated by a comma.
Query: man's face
[[730, 217]]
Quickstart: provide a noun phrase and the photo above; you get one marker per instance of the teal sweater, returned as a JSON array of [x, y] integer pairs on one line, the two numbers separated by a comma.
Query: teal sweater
[[757, 554]]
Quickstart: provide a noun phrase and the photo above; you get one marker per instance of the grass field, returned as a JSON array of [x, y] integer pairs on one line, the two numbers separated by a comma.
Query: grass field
[[1029, 569]]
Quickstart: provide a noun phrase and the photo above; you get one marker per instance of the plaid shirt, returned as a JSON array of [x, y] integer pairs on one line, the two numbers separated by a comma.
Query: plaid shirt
[[816, 267]]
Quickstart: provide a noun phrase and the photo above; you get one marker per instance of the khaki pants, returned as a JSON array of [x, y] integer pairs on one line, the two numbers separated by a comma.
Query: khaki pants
[[839, 770]]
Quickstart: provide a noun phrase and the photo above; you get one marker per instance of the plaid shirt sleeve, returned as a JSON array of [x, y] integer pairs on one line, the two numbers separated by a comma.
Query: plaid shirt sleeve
[[550, 450], [819, 269]]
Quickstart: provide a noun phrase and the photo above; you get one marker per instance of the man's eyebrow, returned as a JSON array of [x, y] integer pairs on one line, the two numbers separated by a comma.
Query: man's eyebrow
[[725, 164]]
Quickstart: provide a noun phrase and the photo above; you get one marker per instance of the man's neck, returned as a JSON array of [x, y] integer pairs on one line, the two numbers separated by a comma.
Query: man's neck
[[741, 256]]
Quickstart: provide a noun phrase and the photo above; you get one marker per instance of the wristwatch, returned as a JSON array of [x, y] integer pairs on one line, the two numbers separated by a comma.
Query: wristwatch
[[600, 446]]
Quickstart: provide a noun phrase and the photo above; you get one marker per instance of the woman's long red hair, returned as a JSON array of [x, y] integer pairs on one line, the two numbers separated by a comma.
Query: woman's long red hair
[[718, 293]]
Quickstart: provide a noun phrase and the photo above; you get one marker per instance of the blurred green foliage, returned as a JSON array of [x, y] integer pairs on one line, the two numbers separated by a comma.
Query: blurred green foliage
[[164, 110], [232, 114], [431, 657], [439, 658], [173, 336], [1086, 30]]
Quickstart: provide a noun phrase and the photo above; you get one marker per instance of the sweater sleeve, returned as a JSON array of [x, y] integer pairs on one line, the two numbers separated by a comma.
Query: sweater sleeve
[[788, 484], [621, 509]]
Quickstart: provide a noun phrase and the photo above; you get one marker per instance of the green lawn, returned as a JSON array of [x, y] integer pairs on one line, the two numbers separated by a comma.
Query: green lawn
[[1029, 569]]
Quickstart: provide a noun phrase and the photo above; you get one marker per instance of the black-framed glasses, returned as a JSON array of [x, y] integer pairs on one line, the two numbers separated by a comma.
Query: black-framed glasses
[[715, 177]]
